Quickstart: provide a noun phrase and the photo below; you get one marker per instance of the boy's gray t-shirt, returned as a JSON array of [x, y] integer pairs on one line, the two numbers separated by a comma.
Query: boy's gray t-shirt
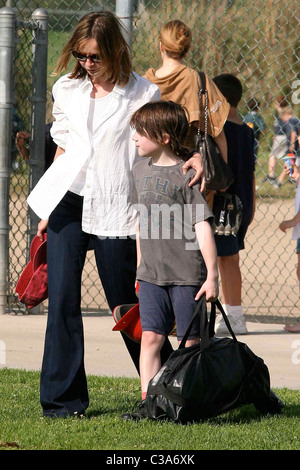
[[168, 208]]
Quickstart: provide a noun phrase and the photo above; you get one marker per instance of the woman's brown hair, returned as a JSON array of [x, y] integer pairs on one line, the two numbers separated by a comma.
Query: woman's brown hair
[[158, 118], [106, 29], [176, 37]]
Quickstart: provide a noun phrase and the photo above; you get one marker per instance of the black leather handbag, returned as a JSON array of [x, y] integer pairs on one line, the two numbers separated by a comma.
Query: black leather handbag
[[211, 378], [218, 175]]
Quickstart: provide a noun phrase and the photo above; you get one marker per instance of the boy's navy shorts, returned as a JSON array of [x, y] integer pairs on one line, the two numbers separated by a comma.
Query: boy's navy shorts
[[161, 306]]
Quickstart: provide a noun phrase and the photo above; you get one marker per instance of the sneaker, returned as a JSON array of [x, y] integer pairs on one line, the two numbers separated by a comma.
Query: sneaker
[[139, 413], [238, 326]]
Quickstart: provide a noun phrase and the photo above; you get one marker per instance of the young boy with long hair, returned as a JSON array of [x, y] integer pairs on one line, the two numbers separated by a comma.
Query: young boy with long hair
[[177, 260]]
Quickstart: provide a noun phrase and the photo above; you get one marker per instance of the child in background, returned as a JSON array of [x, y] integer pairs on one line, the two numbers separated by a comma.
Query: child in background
[[241, 159], [255, 122], [295, 224], [172, 277]]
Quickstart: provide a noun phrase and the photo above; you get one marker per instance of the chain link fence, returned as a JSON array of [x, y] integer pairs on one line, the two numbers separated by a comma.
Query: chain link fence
[[258, 42]]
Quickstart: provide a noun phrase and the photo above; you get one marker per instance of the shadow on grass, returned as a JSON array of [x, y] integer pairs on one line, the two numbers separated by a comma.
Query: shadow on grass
[[242, 415]]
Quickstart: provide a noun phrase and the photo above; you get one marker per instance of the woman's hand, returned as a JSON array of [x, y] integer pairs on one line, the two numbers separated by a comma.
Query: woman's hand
[[195, 162], [42, 227]]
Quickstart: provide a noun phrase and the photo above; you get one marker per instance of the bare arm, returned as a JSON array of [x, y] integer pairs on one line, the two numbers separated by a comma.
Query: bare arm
[[222, 144], [208, 249], [290, 223], [138, 248], [293, 139]]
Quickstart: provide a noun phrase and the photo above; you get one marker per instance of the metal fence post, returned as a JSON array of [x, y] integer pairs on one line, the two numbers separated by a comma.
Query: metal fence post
[[38, 111], [124, 11], [7, 43]]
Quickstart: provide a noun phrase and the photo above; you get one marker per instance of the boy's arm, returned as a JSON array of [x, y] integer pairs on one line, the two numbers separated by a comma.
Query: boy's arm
[[208, 249], [138, 248]]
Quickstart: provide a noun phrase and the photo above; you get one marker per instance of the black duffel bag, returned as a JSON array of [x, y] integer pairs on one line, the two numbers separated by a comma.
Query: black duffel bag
[[210, 378]]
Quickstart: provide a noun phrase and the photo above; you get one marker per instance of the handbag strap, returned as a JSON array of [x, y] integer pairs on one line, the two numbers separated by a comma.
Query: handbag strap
[[203, 91], [207, 329]]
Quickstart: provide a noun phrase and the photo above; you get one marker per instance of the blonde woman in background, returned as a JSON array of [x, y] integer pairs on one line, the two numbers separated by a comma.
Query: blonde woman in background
[[181, 84]]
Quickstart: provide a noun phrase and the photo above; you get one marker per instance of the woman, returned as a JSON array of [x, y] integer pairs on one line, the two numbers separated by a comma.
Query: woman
[[86, 193], [181, 84]]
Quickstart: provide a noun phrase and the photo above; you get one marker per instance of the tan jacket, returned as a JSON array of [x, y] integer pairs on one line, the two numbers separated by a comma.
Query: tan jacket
[[182, 86]]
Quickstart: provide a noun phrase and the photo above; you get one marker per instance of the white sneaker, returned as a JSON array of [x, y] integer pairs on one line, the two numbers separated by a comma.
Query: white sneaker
[[238, 326]]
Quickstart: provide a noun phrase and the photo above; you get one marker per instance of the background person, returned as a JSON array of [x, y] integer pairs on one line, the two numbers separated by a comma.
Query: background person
[[294, 223], [50, 146], [255, 121], [181, 84], [241, 160]]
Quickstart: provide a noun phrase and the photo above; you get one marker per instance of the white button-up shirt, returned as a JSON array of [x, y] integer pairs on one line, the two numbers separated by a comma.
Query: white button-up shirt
[[107, 155]]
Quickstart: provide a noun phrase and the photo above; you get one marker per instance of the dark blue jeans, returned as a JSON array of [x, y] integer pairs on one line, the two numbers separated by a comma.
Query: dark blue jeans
[[63, 380]]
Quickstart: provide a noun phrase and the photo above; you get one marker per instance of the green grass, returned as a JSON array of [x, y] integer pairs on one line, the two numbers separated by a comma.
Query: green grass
[[23, 427]]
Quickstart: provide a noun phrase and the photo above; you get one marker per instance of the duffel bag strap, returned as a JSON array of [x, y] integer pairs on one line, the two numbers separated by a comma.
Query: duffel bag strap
[[201, 311], [212, 319]]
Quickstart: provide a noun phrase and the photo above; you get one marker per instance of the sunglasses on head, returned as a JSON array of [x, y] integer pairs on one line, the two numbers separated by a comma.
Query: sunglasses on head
[[84, 57]]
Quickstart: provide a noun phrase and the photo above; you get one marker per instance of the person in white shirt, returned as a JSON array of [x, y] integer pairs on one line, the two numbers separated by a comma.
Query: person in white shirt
[[294, 223], [84, 199]]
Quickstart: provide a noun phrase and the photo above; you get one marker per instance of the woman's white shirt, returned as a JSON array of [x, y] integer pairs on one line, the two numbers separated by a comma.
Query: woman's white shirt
[[99, 154], [97, 109]]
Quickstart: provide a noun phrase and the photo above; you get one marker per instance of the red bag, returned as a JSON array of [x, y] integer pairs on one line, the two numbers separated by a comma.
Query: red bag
[[127, 318], [32, 286]]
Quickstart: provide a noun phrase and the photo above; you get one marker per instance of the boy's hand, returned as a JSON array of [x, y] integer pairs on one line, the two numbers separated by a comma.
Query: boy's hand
[[211, 290]]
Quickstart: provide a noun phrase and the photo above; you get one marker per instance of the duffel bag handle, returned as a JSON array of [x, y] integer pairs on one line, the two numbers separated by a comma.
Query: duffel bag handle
[[200, 311], [212, 319], [206, 328]]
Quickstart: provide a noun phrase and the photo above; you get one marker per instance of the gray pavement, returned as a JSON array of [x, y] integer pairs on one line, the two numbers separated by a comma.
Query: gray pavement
[[22, 339]]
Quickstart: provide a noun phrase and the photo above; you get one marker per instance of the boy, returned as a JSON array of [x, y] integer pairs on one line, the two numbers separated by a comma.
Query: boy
[[172, 277], [255, 122]]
